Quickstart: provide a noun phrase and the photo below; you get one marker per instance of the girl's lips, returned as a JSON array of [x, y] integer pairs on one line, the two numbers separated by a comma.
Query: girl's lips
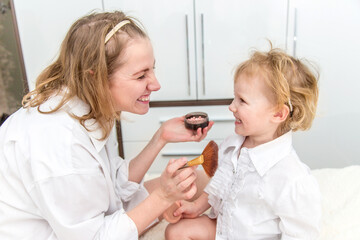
[[237, 121]]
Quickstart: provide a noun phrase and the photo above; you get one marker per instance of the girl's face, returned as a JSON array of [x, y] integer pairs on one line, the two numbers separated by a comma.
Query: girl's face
[[132, 83], [252, 109]]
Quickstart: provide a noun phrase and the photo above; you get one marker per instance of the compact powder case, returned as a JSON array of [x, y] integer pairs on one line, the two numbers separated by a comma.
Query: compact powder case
[[195, 120]]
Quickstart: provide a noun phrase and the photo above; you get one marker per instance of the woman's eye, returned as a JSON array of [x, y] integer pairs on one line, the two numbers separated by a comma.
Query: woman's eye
[[141, 77]]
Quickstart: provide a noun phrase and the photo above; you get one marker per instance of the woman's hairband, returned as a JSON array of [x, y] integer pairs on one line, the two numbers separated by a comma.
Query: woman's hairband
[[291, 108], [115, 29]]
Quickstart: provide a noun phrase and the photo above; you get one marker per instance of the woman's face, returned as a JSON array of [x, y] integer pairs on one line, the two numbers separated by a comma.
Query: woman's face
[[132, 83]]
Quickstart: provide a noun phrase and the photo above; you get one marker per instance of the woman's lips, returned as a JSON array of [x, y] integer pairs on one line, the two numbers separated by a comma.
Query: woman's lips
[[144, 98]]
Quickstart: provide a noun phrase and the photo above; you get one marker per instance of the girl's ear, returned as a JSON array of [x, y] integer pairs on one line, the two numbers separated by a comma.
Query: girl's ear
[[281, 114]]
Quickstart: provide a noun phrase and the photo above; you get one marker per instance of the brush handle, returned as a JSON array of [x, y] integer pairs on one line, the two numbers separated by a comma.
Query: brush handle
[[196, 161]]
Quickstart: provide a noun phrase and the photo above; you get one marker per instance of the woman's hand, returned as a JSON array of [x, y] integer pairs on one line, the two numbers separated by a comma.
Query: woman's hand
[[177, 184], [174, 130]]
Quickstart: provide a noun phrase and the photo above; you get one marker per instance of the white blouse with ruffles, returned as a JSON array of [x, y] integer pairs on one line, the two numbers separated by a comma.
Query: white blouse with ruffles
[[266, 192], [58, 181]]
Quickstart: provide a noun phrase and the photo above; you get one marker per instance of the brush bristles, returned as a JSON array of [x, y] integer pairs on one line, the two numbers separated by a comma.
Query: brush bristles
[[210, 154]]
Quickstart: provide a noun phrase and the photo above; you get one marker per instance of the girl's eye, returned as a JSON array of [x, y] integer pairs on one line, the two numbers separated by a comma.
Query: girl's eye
[[241, 100]]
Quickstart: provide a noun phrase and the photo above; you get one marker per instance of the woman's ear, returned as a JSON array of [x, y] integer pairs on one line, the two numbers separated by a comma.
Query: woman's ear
[[281, 114]]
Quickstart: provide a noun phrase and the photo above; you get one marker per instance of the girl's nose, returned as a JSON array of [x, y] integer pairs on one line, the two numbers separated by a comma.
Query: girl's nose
[[232, 107]]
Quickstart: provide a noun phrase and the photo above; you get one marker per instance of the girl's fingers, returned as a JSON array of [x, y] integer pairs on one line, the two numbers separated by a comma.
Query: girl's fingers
[[178, 211]]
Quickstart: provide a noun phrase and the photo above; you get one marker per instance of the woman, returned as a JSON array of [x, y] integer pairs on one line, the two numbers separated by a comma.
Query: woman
[[61, 177]]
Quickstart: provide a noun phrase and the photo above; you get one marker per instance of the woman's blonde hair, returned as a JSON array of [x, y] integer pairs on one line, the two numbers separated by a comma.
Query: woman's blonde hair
[[84, 66], [290, 81]]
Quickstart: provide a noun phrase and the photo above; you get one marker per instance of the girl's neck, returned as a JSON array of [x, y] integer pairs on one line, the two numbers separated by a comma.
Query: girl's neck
[[254, 141]]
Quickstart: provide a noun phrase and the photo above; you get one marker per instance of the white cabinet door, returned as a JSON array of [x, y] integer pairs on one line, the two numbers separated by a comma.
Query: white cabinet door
[[198, 43], [326, 32], [226, 31], [170, 27], [43, 25]]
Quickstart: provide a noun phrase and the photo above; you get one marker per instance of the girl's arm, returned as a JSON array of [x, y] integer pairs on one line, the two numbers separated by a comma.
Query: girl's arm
[[172, 130], [193, 209]]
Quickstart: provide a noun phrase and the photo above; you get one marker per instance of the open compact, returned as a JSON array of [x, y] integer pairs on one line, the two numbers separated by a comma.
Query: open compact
[[195, 120]]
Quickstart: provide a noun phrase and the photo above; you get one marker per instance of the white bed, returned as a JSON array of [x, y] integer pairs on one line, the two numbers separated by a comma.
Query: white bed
[[340, 190]]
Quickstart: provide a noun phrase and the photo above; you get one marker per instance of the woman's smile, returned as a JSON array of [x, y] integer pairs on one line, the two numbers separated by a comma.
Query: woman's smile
[[144, 99]]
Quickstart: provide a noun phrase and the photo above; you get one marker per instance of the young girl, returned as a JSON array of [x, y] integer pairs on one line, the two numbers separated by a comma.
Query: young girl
[[261, 189]]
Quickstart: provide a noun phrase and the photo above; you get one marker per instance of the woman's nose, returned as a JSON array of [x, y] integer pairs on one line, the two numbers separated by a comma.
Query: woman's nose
[[154, 84]]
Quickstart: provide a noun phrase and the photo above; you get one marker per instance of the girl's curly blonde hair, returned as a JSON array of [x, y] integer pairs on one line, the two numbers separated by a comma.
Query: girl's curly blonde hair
[[84, 66], [290, 81]]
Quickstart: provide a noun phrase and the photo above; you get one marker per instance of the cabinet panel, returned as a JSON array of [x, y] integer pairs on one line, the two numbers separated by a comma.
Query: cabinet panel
[[226, 31], [43, 25], [326, 33], [170, 27]]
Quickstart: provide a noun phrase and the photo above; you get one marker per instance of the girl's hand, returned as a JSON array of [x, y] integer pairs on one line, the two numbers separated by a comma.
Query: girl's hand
[[187, 209], [177, 184], [174, 130]]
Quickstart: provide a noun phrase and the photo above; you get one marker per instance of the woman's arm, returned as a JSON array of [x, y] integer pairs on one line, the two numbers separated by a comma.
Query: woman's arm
[[172, 130], [174, 185]]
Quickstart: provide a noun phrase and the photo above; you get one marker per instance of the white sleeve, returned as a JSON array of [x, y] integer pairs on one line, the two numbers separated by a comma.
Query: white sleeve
[[71, 192], [75, 205], [131, 193], [299, 209]]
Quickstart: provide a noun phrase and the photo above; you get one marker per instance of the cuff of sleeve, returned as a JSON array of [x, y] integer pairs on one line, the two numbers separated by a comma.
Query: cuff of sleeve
[[214, 200], [119, 226], [124, 188]]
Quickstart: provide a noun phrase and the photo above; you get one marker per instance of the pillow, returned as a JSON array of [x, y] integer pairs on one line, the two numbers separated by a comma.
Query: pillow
[[340, 190]]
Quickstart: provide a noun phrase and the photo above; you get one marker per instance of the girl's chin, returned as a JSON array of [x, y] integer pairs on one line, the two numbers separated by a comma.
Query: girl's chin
[[239, 131]]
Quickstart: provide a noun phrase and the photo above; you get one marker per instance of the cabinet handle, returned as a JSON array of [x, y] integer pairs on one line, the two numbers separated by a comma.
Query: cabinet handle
[[180, 154], [295, 32], [187, 52], [223, 119], [203, 53]]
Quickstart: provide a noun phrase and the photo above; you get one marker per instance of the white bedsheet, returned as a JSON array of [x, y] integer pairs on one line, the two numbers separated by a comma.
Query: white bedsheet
[[340, 190]]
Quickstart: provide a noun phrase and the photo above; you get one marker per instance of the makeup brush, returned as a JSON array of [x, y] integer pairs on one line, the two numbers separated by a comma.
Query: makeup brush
[[209, 160]]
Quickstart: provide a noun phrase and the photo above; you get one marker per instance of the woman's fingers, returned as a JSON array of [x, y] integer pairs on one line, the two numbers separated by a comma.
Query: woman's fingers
[[186, 183], [182, 174], [201, 133], [174, 165], [190, 192]]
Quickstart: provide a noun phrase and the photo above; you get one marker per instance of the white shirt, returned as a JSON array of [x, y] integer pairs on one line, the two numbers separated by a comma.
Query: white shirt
[[265, 193], [57, 181]]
